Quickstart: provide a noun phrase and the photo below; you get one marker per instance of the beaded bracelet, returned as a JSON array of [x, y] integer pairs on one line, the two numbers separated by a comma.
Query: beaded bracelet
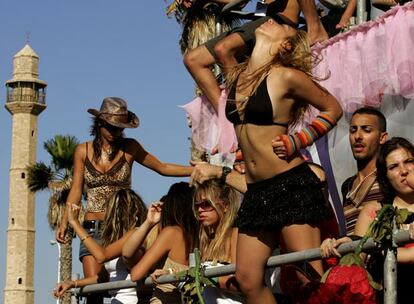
[[85, 237]]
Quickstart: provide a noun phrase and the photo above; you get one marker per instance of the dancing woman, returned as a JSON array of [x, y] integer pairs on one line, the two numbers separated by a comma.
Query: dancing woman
[[104, 166], [268, 94]]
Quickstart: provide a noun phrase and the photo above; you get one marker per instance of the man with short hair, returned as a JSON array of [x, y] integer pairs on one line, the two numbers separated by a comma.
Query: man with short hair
[[367, 132]]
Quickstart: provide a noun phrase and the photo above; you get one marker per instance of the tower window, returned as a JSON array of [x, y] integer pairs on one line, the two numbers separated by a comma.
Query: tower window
[[32, 133], [23, 175], [19, 281], [12, 220]]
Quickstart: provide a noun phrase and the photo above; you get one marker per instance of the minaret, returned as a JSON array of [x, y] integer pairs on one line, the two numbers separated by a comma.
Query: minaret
[[26, 96]]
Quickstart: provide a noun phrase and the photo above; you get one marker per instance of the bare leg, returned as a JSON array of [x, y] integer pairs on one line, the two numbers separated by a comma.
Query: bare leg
[[227, 48], [198, 62], [292, 11], [316, 31], [301, 237], [91, 268], [251, 257]]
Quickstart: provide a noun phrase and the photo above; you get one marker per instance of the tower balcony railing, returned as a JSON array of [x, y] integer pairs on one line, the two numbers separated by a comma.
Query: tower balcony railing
[[16, 96]]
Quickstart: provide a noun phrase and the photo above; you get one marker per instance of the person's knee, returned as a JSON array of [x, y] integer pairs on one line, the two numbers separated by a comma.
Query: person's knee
[[246, 280], [190, 60], [223, 50], [197, 58]]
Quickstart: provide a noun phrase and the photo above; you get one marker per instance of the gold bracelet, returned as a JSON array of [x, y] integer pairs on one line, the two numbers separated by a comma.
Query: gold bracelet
[[85, 237]]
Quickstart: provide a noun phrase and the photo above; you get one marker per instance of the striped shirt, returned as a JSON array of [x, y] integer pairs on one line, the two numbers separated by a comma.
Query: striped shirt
[[352, 209]]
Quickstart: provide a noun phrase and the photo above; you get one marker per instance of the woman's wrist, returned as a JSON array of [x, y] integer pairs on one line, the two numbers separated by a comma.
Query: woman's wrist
[[73, 284]]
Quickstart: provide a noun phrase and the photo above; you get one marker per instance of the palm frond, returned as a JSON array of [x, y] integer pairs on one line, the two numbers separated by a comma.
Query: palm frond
[[39, 176], [62, 149]]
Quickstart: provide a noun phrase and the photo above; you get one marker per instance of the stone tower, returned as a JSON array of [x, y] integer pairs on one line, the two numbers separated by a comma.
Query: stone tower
[[25, 101]]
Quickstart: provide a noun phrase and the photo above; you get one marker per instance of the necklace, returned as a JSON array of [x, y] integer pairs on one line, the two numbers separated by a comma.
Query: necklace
[[106, 155], [350, 193]]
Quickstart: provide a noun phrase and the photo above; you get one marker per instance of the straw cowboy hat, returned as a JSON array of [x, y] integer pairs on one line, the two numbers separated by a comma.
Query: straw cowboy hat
[[114, 110]]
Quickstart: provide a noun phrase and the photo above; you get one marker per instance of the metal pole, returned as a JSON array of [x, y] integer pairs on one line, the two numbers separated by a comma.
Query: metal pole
[[400, 237], [361, 12], [53, 242], [390, 270]]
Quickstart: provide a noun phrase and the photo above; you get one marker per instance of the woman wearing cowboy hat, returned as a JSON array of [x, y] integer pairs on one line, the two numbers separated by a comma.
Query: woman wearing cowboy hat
[[104, 166]]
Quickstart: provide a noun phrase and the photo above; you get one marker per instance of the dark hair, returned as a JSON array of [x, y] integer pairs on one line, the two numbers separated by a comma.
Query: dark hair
[[178, 211], [382, 122], [389, 146], [95, 131]]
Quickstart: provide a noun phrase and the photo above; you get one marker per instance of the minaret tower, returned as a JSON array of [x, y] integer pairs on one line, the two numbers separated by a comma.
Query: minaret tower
[[26, 96]]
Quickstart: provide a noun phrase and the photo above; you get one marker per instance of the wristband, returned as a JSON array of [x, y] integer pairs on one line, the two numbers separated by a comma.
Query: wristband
[[320, 126], [226, 171]]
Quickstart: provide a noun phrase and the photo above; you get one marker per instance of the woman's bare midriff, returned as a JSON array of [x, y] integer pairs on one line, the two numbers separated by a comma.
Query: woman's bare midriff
[[260, 160], [90, 216]]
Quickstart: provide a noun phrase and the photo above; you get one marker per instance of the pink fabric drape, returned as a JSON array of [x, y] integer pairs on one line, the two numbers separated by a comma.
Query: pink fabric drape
[[371, 60], [210, 131]]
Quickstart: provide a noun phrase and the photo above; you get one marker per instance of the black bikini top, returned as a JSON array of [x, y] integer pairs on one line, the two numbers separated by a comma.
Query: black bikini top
[[258, 110]]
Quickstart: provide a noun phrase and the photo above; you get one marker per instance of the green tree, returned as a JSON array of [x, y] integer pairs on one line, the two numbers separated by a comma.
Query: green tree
[[57, 179]]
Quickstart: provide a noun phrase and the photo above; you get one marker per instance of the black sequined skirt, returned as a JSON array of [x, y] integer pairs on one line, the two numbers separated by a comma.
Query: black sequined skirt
[[292, 197]]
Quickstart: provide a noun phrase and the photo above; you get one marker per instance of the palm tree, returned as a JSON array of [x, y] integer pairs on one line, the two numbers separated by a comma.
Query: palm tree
[[57, 179]]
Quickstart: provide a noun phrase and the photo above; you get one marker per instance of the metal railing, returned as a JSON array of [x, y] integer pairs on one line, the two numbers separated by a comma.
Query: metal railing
[[390, 293]]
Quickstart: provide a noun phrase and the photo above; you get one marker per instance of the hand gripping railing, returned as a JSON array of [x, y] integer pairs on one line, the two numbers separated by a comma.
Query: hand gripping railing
[[399, 237]]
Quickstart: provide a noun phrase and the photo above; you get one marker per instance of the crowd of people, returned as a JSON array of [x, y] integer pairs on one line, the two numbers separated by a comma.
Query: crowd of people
[[276, 202]]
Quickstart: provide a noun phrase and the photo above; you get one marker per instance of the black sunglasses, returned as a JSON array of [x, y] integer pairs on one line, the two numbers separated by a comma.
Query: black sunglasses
[[204, 205], [111, 128]]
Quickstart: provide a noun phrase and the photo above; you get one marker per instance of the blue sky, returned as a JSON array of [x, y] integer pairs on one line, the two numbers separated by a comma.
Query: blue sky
[[89, 50]]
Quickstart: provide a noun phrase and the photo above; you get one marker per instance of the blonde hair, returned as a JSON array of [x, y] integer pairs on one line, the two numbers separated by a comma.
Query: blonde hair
[[125, 211], [299, 56], [215, 246]]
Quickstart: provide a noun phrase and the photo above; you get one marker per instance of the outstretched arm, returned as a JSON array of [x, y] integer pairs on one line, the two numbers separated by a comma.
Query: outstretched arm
[[204, 171], [101, 254], [62, 287], [151, 162]]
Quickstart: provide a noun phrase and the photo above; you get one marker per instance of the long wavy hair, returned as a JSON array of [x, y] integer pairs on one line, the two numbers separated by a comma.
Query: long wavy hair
[[298, 56], [215, 243], [95, 131], [177, 211], [389, 146], [125, 210]]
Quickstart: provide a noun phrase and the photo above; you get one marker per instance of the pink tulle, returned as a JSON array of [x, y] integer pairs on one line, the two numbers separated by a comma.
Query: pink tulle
[[371, 60], [227, 136], [209, 130]]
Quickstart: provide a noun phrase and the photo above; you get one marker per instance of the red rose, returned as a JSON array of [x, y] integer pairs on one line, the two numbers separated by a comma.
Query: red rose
[[356, 280]]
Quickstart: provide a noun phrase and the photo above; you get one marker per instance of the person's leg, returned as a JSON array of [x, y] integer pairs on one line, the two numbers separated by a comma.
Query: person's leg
[[301, 237], [198, 62], [91, 268], [251, 257], [227, 49], [316, 31]]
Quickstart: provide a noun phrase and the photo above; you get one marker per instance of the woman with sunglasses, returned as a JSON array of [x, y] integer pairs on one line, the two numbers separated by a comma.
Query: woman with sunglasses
[[103, 166], [215, 207]]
